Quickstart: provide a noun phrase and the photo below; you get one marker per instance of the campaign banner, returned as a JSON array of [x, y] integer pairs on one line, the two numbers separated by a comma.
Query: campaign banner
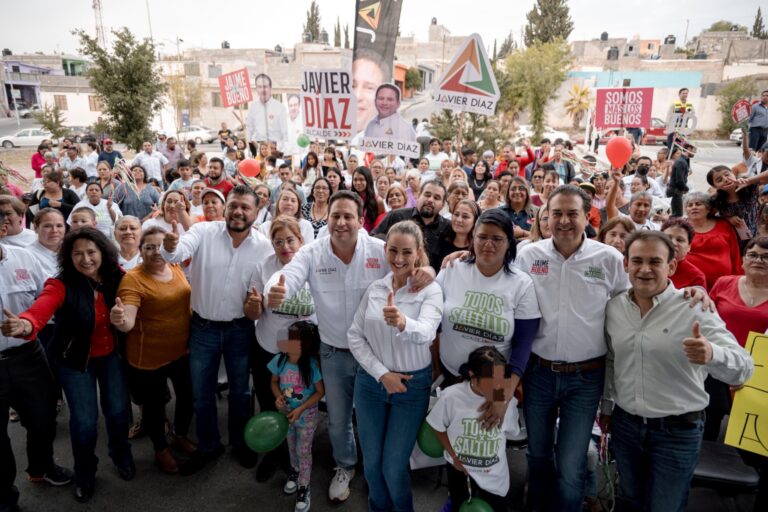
[[469, 84], [235, 88], [741, 111], [624, 107], [748, 420], [328, 104]]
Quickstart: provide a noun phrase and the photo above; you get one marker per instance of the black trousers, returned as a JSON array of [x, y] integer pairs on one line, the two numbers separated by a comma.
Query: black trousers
[[149, 387], [26, 384], [457, 488]]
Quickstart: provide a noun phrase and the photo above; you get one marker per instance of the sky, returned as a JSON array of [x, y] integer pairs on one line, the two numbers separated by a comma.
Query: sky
[[201, 24]]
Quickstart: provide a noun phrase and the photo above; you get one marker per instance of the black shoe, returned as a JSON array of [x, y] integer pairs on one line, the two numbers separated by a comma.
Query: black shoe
[[56, 476], [266, 469], [10, 503], [84, 493], [246, 457], [127, 471], [198, 460]]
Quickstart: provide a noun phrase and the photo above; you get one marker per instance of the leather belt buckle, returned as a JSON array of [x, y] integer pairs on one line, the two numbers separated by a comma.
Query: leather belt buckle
[[559, 366]]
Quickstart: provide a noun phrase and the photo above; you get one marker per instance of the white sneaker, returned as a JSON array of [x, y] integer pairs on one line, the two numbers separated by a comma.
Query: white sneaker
[[303, 500], [339, 490], [292, 484]]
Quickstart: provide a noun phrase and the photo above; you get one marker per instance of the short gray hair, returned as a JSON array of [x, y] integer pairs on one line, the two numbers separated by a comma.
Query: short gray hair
[[643, 194], [697, 196]]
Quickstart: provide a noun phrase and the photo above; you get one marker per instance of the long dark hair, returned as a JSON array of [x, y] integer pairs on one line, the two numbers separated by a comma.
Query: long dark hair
[[109, 272], [487, 175], [306, 162], [309, 337], [720, 199], [499, 219], [342, 184], [311, 198], [370, 206]]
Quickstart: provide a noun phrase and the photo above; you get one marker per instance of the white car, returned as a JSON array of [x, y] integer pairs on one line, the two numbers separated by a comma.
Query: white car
[[197, 133], [30, 137], [525, 131], [736, 136]]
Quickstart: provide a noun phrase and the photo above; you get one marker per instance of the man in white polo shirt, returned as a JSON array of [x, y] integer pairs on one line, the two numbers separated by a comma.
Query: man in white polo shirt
[[26, 382], [224, 257], [339, 268], [660, 350], [154, 162]]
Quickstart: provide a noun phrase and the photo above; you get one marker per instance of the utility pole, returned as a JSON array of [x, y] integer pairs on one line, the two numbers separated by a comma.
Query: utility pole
[[685, 39]]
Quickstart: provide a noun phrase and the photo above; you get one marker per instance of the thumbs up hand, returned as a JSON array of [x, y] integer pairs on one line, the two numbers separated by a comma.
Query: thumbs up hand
[[392, 315], [13, 326], [171, 240], [277, 293], [117, 314], [254, 298], [697, 348]]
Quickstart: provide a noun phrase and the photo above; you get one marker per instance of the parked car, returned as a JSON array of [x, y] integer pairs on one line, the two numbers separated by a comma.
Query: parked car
[[656, 134], [198, 133], [736, 136], [81, 134], [30, 137], [27, 112], [525, 131]]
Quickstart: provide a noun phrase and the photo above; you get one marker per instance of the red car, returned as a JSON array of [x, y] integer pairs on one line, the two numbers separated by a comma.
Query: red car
[[653, 135]]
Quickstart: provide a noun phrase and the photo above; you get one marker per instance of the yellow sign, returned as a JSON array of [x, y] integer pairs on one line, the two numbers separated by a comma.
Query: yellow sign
[[748, 423]]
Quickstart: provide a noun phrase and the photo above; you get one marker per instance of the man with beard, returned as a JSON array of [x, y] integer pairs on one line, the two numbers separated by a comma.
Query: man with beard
[[216, 179], [224, 257], [172, 152], [427, 215]]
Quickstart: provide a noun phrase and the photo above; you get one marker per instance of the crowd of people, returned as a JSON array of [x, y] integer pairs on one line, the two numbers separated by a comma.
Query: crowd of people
[[614, 297]]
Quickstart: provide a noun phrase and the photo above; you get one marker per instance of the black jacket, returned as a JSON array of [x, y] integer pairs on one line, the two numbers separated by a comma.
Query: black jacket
[[68, 201]]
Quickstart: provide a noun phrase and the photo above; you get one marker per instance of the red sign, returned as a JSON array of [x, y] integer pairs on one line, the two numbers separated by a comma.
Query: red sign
[[235, 88], [741, 111], [624, 107]]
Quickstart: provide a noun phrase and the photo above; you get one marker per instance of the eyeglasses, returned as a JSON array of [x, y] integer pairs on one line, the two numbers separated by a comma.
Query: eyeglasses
[[518, 189], [495, 241], [754, 256], [538, 177], [279, 242]]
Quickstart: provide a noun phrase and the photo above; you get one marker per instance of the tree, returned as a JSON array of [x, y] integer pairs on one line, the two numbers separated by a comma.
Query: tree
[[480, 132], [127, 82], [547, 21], [577, 104], [536, 74], [758, 29], [507, 46], [52, 120], [346, 36], [185, 94], [312, 25], [731, 93], [725, 26], [413, 79], [337, 33]]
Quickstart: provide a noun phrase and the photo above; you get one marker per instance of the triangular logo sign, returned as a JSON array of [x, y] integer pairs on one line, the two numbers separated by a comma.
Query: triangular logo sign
[[371, 14], [468, 83]]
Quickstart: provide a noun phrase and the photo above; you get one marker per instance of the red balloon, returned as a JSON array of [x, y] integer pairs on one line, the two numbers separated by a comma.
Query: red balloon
[[619, 151], [249, 168]]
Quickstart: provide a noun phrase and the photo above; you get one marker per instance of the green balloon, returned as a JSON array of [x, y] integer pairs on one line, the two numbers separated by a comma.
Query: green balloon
[[428, 441], [475, 505], [265, 431], [302, 141]]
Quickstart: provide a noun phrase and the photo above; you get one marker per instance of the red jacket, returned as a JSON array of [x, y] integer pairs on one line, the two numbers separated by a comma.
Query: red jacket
[[522, 161], [37, 163]]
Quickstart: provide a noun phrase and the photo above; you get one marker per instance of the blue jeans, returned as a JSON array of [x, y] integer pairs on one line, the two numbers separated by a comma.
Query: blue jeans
[[208, 341], [80, 388], [558, 472], [655, 464], [388, 426], [339, 371]]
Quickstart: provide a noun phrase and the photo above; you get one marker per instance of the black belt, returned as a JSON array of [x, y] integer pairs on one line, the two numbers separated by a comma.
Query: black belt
[[566, 367], [221, 323], [19, 350], [686, 420]]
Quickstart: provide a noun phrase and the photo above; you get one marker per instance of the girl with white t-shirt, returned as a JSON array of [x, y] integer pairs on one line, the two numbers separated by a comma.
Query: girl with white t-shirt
[[470, 450], [273, 324], [289, 203], [487, 302], [390, 338]]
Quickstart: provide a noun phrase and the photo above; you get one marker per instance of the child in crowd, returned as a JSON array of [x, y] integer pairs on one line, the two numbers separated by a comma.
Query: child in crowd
[[82, 216], [185, 180], [298, 387], [470, 450]]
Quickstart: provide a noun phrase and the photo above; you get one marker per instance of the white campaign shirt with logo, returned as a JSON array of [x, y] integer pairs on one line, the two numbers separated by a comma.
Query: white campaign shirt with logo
[[572, 296], [482, 452], [21, 281], [48, 259], [273, 324], [481, 311], [336, 287]]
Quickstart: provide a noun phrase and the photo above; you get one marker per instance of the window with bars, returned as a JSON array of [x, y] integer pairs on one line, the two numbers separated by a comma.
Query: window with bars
[[60, 100], [215, 99], [94, 103], [191, 69]]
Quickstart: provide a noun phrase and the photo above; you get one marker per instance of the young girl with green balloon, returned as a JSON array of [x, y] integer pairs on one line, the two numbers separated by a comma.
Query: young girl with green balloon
[[470, 450]]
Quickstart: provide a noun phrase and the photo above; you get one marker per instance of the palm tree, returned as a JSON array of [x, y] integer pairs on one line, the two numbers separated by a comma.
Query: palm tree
[[578, 103]]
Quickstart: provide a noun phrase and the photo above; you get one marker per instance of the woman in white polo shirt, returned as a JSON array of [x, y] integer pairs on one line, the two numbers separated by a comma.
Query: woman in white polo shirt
[[487, 302], [390, 338]]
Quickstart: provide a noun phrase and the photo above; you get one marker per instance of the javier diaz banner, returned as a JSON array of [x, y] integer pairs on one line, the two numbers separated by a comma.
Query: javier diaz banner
[[328, 104], [469, 84]]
